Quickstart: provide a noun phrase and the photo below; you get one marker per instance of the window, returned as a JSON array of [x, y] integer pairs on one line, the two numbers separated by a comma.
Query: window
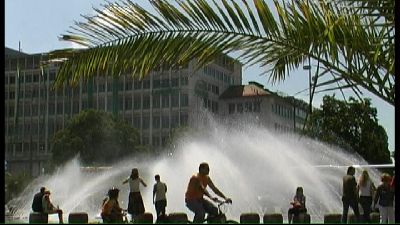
[[184, 81], [174, 82], [146, 84], [137, 103], [175, 100], [239, 108], [174, 121], [184, 119], [156, 84], [184, 100], [165, 83], [136, 122], [156, 101], [156, 141], [165, 122], [165, 101], [156, 122], [146, 122], [128, 103], [248, 107], [59, 108], [231, 107], [146, 101], [257, 106], [128, 85], [138, 85]]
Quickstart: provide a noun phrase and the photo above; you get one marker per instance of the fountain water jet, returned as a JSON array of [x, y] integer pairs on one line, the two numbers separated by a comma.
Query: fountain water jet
[[258, 169]]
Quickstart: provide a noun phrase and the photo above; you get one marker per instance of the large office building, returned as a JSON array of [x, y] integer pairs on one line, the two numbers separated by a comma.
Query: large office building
[[155, 105]]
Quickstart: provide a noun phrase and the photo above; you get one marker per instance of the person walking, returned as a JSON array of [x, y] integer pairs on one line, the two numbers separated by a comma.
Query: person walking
[[366, 190], [349, 196], [384, 197], [135, 203], [159, 197]]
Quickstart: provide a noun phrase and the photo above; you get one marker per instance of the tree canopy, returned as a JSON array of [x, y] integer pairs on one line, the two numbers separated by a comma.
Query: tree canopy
[[352, 41], [352, 125], [98, 137]]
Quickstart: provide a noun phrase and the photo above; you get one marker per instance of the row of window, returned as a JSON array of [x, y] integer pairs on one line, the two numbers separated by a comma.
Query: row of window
[[282, 110], [29, 77], [139, 102], [218, 75], [282, 128], [248, 106], [35, 92], [210, 105], [159, 121], [33, 148]]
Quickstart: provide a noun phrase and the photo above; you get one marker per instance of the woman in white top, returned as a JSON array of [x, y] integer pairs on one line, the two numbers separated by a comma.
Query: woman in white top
[[135, 204], [366, 189]]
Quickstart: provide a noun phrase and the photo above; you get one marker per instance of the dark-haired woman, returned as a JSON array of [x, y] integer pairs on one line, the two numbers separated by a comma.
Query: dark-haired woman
[[111, 212], [298, 203], [135, 204]]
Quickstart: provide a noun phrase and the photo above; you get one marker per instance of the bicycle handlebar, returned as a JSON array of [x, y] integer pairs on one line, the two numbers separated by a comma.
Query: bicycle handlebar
[[220, 203]]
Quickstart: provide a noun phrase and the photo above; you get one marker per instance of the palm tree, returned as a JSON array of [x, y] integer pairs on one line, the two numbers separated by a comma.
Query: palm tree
[[351, 41]]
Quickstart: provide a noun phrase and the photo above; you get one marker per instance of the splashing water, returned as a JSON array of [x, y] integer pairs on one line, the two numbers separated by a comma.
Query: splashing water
[[257, 169]]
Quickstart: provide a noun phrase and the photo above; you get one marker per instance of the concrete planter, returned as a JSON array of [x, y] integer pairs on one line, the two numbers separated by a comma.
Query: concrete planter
[[273, 218], [35, 217], [177, 218], [249, 218], [78, 217]]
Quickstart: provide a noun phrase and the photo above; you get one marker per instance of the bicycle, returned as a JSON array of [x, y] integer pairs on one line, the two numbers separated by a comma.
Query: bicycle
[[220, 217]]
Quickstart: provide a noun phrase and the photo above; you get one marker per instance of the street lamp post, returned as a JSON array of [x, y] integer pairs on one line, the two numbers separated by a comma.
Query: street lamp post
[[308, 67]]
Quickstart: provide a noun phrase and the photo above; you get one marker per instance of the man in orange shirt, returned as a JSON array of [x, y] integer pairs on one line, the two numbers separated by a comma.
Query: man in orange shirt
[[195, 191]]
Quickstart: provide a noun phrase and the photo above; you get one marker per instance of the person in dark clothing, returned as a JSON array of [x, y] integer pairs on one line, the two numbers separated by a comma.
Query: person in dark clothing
[[384, 199], [350, 195], [299, 205], [37, 201]]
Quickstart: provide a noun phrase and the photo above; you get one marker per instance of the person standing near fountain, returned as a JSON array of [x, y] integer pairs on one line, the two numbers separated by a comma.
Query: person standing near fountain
[[350, 195], [135, 204], [385, 195], [159, 198], [366, 189], [299, 204], [197, 189], [49, 208], [37, 201]]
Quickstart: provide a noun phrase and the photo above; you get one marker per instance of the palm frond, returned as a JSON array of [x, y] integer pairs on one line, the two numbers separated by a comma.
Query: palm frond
[[350, 41]]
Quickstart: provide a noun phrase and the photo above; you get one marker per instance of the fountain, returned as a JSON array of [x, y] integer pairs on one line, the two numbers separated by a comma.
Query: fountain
[[258, 169]]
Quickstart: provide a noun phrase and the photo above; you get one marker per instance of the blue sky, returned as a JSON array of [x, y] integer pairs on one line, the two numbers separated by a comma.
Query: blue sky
[[38, 24]]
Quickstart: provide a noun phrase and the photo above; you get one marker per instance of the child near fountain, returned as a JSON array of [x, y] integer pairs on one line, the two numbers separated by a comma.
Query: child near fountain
[[298, 203], [135, 204]]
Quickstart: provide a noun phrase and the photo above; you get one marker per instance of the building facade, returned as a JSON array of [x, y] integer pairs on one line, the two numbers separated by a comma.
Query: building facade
[[269, 109], [155, 105]]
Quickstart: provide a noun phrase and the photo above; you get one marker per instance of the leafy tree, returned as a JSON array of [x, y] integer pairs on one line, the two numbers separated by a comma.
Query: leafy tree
[[352, 125], [352, 41], [98, 137]]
